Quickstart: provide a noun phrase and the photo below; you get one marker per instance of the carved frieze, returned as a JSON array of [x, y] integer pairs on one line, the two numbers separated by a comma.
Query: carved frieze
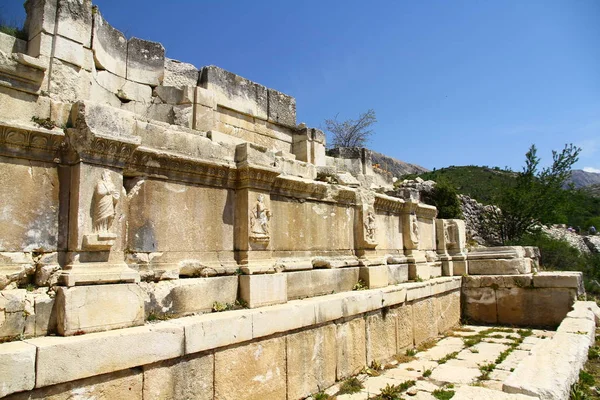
[[259, 223], [37, 144]]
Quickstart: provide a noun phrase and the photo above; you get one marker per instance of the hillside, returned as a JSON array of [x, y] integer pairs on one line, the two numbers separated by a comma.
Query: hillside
[[396, 167], [581, 178], [484, 184]]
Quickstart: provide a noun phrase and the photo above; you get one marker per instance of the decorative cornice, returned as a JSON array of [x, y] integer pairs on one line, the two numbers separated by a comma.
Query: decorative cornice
[[252, 176], [152, 162], [300, 188], [388, 203], [426, 211], [26, 142]]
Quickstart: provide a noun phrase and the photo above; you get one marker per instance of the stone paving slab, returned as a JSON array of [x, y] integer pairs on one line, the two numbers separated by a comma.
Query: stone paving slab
[[459, 372]]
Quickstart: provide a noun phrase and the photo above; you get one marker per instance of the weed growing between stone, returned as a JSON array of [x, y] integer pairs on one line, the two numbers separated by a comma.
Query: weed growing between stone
[[393, 392], [351, 386], [447, 357], [321, 396], [428, 344], [427, 373], [442, 394], [360, 285]]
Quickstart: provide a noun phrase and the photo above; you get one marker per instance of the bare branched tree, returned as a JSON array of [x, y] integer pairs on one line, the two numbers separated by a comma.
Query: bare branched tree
[[351, 133]]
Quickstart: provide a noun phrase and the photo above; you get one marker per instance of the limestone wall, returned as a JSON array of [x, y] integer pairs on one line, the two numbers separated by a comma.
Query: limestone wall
[[542, 299], [278, 352]]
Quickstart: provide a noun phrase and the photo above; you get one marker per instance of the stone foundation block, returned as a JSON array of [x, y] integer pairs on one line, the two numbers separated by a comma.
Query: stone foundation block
[[17, 367], [460, 268], [381, 336], [209, 331], [329, 308], [559, 279], [12, 313], [256, 371], [282, 318], [513, 266], [418, 291], [397, 273], [534, 307], [424, 320], [375, 276], [200, 294], [84, 309], [362, 302], [351, 347], [447, 310], [190, 377], [404, 326], [393, 295], [116, 385], [263, 290], [419, 271], [64, 359], [480, 305], [311, 361], [447, 268], [318, 282]]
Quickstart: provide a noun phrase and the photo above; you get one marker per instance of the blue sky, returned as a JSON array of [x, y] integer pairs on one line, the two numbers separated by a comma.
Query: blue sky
[[452, 82]]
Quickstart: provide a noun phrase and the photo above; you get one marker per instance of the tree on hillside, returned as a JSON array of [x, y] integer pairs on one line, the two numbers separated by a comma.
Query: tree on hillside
[[537, 197], [351, 133]]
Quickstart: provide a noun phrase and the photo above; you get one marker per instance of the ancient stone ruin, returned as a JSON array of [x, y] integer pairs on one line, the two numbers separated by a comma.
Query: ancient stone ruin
[[141, 195]]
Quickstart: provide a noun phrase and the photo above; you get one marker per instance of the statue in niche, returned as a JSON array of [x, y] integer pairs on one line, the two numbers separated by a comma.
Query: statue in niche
[[451, 234], [259, 219], [104, 201], [370, 226], [414, 229]]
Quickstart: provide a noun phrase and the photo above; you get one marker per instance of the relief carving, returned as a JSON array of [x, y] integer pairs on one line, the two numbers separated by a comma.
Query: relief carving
[[414, 229], [104, 201], [259, 220], [370, 226]]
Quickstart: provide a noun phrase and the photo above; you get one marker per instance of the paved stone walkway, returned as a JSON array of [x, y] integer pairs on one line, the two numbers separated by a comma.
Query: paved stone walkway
[[468, 356]]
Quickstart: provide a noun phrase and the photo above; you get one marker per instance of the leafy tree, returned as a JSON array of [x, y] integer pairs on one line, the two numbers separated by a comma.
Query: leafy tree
[[537, 197], [351, 133], [445, 197]]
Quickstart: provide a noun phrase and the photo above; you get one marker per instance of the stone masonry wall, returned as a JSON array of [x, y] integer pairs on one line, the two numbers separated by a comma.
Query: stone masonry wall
[[249, 354]]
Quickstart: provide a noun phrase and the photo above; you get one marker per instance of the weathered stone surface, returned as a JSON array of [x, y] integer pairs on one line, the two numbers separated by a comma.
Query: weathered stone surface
[[362, 302], [29, 222], [63, 359], [210, 331], [69, 82], [282, 318], [145, 61], [500, 267], [418, 290], [404, 325], [201, 294], [12, 313], [375, 276], [263, 290], [381, 336], [74, 19], [578, 326], [235, 92], [10, 44], [178, 73], [397, 273], [559, 279], [123, 88], [256, 371], [448, 311], [319, 282], [446, 373], [189, 377], [41, 16], [351, 347], [85, 309], [17, 367], [116, 385], [534, 307], [72, 53], [424, 321], [552, 369], [311, 361], [109, 46], [393, 295], [479, 393], [45, 315], [282, 108], [480, 305]]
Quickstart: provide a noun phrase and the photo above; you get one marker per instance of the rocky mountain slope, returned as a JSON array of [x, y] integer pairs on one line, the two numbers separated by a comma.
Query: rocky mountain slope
[[396, 167], [581, 178]]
